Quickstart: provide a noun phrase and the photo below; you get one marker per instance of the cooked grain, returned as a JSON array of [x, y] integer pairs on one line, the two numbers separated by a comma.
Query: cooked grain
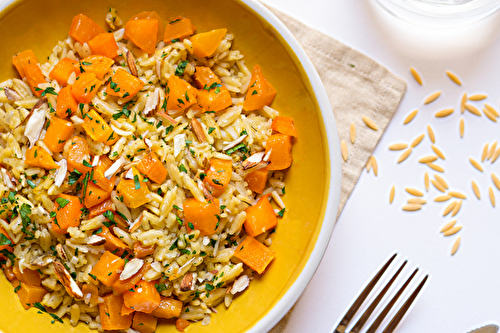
[[343, 150], [449, 208], [417, 141], [438, 152], [452, 231], [370, 123], [404, 155], [472, 109], [456, 245], [431, 134], [477, 97], [441, 181], [432, 97], [476, 190], [427, 159], [454, 78], [435, 167], [492, 196], [438, 186], [475, 164], [412, 207], [391, 195], [444, 113], [414, 192], [416, 75], [352, 133], [410, 117], [448, 225], [398, 146], [442, 198]]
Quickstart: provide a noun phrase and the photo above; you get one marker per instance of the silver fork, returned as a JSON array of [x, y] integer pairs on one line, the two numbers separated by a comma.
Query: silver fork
[[391, 327]]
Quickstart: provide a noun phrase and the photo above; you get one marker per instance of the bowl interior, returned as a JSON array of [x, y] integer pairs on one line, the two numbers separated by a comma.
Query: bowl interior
[[38, 25]]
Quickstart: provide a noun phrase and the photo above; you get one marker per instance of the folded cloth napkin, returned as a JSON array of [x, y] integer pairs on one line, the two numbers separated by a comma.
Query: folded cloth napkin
[[357, 86]]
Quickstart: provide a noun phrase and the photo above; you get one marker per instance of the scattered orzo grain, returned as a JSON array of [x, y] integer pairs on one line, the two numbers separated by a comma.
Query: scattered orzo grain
[[418, 201], [448, 226], [370, 123], [369, 164], [457, 208], [438, 186], [449, 208], [435, 167], [431, 134], [475, 164], [432, 97], [441, 181], [410, 117], [462, 102], [485, 152], [405, 155], [492, 110], [438, 152], [391, 195], [417, 141], [398, 146], [492, 150], [442, 198], [490, 115], [476, 190], [457, 194], [352, 132], [427, 159], [444, 113], [492, 196], [426, 181], [462, 127], [477, 97], [454, 78], [452, 230], [472, 109], [374, 165], [414, 192], [343, 150], [495, 156], [412, 207], [456, 245], [496, 181], [416, 75]]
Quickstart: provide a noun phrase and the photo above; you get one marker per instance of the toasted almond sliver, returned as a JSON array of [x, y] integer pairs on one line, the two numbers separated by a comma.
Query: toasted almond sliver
[[456, 209], [448, 225], [417, 140], [416, 75], [438, 152], [412, 207], [454, 77], [198, 130], [414, 192], [352, 132], [452, 231], [456, 245], [462, 127], [431, 134], [370, 123], [490, 115], [418, 201], [343, 150], [485, 152], [477, 97], [457, 194], [496, 181], [476, 164], [442, 198], [476, 190], [426, 181], [444, 113], [410, 117], [449, 208], [131, 63], [391, 195], [441, 181], [427, 159], [462, 103], [492, 196], [472, 109], [492, 150], [438, 186], [374, 165], [432, 97], [404, 155], [398, 146], [435, 167], [492, 110]]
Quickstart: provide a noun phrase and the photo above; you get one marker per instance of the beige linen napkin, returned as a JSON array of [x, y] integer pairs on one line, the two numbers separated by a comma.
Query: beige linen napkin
[[357, 86]]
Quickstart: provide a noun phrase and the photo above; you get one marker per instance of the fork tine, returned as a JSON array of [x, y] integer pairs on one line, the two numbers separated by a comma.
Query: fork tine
[[361, 298], [357, 327], [389, 306], [397, 318]]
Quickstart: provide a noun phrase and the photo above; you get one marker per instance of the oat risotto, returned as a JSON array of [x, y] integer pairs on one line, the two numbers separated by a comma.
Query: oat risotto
[[142, 174]]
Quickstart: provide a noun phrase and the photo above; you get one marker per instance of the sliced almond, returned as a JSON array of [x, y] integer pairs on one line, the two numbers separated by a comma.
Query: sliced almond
[[240, 284], [187, 282], [43, 260], [60, 252], [66, 280], [11, 94], [35, 123], [131, 268], [253, 160], [96, 240], [165, 116], [198, 130], [131, 64], [234, 143]]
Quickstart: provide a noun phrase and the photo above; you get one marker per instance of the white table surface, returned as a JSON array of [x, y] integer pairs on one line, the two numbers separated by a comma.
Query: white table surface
[[464, 290]]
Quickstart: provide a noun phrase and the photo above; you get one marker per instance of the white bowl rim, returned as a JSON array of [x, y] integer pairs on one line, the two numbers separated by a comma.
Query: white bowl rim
[[288, 300], [284, 304]]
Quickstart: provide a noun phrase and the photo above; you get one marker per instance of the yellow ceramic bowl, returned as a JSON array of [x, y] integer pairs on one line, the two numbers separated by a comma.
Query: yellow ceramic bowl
[[313, 181]]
